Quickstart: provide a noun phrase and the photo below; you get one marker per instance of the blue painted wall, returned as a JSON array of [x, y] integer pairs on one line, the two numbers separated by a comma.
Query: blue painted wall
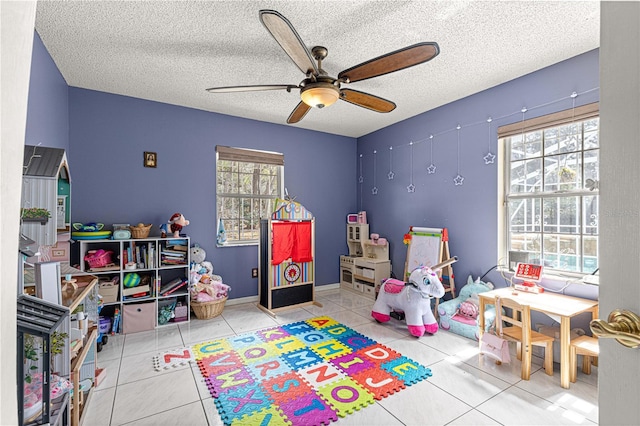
[[106, 135], [109, 134], [469, 210], [48, 105]]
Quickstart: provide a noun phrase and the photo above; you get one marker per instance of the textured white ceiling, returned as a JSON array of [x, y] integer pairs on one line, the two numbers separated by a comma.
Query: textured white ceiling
[[172, 51]]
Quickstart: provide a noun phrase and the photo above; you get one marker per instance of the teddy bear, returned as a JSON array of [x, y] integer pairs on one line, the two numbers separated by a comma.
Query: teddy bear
[[198, 262], [205, 286]]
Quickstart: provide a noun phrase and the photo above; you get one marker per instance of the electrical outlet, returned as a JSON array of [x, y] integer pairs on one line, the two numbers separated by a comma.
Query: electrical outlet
[[254, 273]]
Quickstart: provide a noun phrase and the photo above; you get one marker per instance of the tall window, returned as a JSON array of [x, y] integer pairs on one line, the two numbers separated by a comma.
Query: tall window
[[247, 183], [551, 190]]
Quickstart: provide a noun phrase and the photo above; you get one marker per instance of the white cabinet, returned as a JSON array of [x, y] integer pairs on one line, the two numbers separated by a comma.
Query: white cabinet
[[369, 274], [367, 264], [357, 233], [143, 280]]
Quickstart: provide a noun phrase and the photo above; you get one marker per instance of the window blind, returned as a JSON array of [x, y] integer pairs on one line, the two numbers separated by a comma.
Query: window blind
[[249, 155], [556, 119]]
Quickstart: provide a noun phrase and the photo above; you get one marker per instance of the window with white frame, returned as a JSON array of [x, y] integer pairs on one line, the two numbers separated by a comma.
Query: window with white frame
[[550, 190], [247, 184]]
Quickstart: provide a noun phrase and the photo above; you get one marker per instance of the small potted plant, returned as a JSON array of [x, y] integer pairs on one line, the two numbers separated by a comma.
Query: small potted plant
[[35, 214], [30, 356], [33, 345]]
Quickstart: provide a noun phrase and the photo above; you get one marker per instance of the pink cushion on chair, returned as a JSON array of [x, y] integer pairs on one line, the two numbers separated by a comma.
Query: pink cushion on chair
[[463, 319]]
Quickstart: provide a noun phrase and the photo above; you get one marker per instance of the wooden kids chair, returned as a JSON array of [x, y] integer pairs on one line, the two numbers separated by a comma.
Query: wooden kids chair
[[519, 330], [586, 346]]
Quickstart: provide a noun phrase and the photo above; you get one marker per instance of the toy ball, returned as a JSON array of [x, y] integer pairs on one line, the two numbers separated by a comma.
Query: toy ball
[[131, 280]]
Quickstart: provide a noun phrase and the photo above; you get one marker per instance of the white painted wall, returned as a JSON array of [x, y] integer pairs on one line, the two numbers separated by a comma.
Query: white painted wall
[[17, 21]]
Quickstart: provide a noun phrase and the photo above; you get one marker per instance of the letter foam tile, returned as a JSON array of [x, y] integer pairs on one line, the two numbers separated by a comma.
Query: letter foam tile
[[271, 416], [174, 358], [407, 370], [305, 373], [289, 386], [346, 396]]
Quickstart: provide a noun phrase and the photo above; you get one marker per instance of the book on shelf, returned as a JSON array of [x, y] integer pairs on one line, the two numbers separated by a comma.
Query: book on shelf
[[177, 242], [171, 257], [173, 253], [129, 291], [176, 288], [174, 262], [139, 258], [151, 262], [172, 285], [137, 295]]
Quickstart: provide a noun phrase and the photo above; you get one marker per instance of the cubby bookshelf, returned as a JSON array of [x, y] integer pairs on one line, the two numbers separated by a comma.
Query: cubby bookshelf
[[161, 265]]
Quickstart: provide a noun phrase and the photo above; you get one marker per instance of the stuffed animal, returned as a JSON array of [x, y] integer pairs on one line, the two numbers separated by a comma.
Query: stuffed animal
[[177, 222], [460, 315], [198, 262], [205, 286], [413, 297], [469, 308]]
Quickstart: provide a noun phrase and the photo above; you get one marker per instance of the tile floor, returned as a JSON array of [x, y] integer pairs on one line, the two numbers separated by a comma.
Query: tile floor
[[464, 390]]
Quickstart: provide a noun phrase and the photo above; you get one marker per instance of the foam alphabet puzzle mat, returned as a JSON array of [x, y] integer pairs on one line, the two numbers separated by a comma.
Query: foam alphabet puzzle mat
[[305, 373]]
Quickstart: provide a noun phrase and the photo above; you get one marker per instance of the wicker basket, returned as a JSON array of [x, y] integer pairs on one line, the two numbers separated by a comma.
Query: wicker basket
[[208, 310], [140, 230]]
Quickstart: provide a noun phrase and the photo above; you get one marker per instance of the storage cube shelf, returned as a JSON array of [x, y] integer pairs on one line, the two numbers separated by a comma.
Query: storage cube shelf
[[143, 278]]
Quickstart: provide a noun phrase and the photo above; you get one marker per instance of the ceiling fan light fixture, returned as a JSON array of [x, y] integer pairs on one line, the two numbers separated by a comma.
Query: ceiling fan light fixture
[[320, 95]]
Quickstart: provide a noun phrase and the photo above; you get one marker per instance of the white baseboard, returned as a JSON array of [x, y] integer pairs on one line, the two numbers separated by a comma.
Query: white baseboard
[[238, 301], [328, 287], [255, 299]]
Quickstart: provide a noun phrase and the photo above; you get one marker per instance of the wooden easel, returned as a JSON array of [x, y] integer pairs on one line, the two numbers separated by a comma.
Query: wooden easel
[[429, 247]]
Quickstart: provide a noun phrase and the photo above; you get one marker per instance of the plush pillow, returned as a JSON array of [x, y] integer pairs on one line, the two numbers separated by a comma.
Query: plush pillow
[[468, 309]]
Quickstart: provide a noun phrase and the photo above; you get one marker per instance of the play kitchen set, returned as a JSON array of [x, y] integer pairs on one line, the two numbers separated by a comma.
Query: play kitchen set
[[367, 264]]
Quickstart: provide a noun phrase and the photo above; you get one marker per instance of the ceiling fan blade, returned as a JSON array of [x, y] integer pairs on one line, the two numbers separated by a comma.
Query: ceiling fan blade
[[366, 100], [298, 113], [287, 37], [391, 62], [255, 88]]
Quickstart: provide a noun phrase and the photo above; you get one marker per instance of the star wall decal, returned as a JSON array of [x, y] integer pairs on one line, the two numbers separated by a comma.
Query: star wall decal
[[458, 180], [488, 159]]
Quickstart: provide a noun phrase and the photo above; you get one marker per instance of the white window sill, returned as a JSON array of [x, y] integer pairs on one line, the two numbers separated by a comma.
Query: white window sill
[[567, 278], [241, 244]]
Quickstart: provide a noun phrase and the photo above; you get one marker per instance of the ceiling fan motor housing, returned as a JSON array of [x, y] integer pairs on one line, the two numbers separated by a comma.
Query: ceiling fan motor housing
[[319, 94]]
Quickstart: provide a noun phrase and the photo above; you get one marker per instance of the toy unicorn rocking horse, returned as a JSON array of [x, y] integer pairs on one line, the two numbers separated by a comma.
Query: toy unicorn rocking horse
[[413, 298]]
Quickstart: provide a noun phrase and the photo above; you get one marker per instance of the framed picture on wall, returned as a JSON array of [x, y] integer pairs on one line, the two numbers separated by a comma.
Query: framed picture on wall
[[150, 159]]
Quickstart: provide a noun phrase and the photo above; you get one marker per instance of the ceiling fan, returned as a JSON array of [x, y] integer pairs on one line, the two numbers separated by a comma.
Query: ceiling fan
[[319, 89]]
